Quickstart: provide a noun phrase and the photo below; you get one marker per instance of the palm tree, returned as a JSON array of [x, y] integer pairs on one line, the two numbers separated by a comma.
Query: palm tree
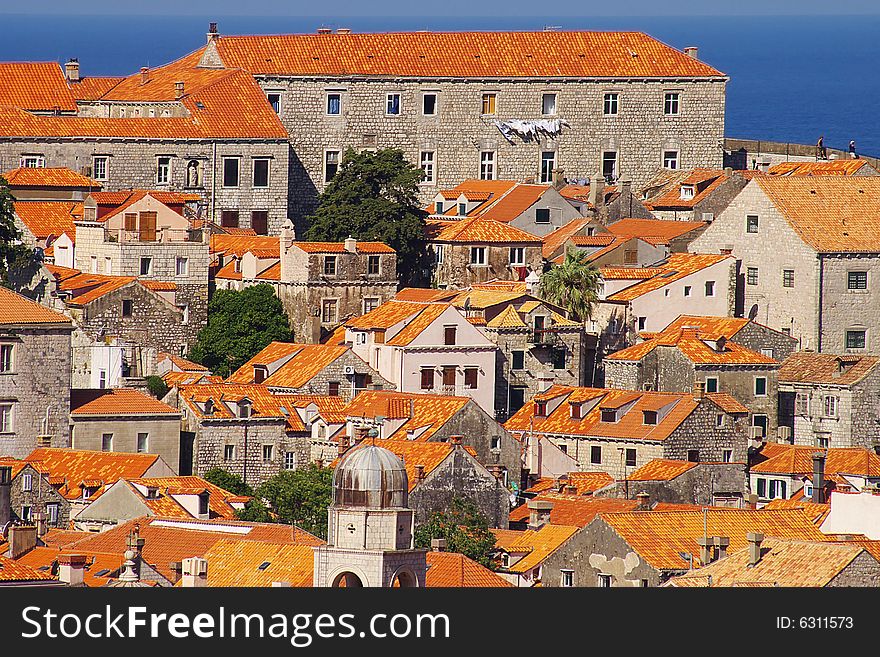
[[573, 285]]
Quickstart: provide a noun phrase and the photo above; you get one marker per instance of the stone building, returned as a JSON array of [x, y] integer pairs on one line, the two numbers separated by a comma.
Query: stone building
[[693, 195], [537, 348], [126, 420], [30, 498], [177, 127], [475, 250], [806, 254], [618, 431], [34, 375], [676, 360], [829, 401], [614, 102]]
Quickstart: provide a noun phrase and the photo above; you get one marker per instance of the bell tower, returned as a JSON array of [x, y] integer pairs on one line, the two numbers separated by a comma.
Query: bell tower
[[370, 526]]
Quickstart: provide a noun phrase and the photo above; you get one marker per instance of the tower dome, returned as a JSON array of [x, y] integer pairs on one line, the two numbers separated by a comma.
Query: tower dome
[[371, 477]]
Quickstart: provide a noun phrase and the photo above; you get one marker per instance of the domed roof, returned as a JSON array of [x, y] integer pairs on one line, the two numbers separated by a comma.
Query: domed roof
[[371, 477]]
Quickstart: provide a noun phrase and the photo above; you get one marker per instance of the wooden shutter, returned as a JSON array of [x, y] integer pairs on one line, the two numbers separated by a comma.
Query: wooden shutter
[[260, 222], [148, 227], [131, 221]]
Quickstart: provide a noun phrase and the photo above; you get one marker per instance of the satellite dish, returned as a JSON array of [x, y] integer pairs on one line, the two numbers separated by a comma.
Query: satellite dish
[[753, 312]]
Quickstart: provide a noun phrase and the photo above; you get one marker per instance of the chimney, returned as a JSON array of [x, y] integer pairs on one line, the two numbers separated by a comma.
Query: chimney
[[455, 440], [135, 544], [497, 470], [213, 34], [178, 90], [644, 499], [752, 501], [539, 513], [280, 585], [699, 390], [728, 171], [5, 496], [195, 572], [876, 447], [22, 539], [71, 70], [625, 187], [706, 544], [342, 445], [325, 30], [351, 244], [754, 539], [438, 545], [420, 473], [596, 197], [71, 569], [145, 74], [343, 30], [175, 567], [818, 477], [39, 518], [721, 545], [691, 51], [557, 178]]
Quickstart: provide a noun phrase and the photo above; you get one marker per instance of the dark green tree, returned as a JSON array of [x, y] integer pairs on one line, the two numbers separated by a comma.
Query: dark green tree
[[297, 497], [240, 324], [574, 285], [228, 481], [157, 386], [15, 257], [374, 197], [465, 529]]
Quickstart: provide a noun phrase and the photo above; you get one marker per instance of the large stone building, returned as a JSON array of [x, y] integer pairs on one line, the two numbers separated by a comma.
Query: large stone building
[[30, 498], [696, 195], [806, 256]]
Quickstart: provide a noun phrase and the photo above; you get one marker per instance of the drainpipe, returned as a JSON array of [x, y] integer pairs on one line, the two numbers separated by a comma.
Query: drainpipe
[[821, 285], [244, 467], [214, 183]]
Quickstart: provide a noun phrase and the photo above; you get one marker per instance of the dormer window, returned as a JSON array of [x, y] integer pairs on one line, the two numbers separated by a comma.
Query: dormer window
[[244, 408], [209, 407], [576, 410], [609, 415], [649, 417], [462, 209], [438, 207], [687, 192], [260, 373], [541, 409]]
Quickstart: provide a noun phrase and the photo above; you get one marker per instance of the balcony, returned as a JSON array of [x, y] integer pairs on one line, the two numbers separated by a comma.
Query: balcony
[[545, 337], [159, 235]]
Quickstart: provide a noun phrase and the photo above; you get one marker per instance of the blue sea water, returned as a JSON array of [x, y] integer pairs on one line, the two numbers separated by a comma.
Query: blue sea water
[[792, 78]]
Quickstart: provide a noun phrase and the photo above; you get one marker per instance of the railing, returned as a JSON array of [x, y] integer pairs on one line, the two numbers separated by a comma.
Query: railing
[[160, 235], [544, 337]]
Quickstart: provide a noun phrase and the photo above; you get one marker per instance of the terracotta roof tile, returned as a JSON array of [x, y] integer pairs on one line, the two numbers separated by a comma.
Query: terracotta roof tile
[[538, 545], [654, 231], [38, 86], [815, 512], [677, 266], [219, 499], [826, 369], [429, 314], [305, 362], [238, 563], [554, 241], [18, 310], [180, 363], [424, 413], [630, 273], [698, 349], [661, 470], [482, 230], [585, 483], [507, 318], [339, 247], [580, 511], [830, 168], [510, 286], [60, 538], [92, 88], [423, 295], [451, 570], [798, 460], [48, 177], [12, 570], [238, 245], [121, 402], [387, 315]]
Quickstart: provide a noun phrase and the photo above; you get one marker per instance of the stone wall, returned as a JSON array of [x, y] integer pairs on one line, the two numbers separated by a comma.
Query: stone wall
[[757, 337], [864, 570], [40, 494], [700, 431], [335, 372], [699, 485], [163, 435], [457, 272], [844, 309]]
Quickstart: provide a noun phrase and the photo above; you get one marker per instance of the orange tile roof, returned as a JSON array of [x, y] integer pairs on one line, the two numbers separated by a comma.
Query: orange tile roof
[[704, 181], [85, 288], [49, 218], [710, 327], [507, 318], [510, 286], [483, 230], [120, 402], [272, 273], [580, 511], [512, 204], [585, 483], [180, 363], [92, 88], [414, 328], [48, 177], [160, 286], [174, 379], [798, 460], [557, 239], [38, 86], [124, 197], [307, 362], [219, 499], [661, 470], [424, 412], [387, 315], [727, 403], [229, 271], [238, 245], [830, 213], [654, 231], [538, 545], [829, 168], [660, 538], [630, 273], [815, 512], [452, 570], [676, 267], [237, 563], [826, 369], [695, 347], [12, 570], [462, 54], [337, 338], [339, 247], [61, 538], [18, 310], [423, 295]]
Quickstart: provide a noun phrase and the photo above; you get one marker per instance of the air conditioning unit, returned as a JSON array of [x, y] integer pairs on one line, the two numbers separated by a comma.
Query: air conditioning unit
[[783, 434], [349, 369], [756, 433]]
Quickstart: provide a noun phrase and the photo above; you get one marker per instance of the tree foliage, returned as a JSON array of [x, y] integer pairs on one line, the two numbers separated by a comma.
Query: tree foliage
[[14, 255], [298, 497], [228, 481], [240, 324], [374, 197], [156, 386], [465, 529], [574, 285]]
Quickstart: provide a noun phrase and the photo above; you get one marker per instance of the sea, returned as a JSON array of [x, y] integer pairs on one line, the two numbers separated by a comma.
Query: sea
[[792, 78]]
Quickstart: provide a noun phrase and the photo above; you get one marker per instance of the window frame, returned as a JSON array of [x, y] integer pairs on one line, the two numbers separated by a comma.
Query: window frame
[[482, 260], [329, 265], [788, 278], [7, 358], [855, 333], [520, 261], [752, 276], [855, 280], [426, 165], [709, 288], [436, 96], [267, 453], [160, 169], [146, 442], [327, 165], [611, 99], [224, 177], [545, 172], [106, 174], [177, 269], [555, 96], [268, 161], [672, 103], [489, 100], [753, 224], [488, 165], [329, 302], [673, 156], [327, 98], [149, 261], [759, 379], [389, 95]]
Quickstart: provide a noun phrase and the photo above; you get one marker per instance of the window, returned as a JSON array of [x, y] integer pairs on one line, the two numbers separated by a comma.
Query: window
[[142, 442], [611, 104], [548, 164], [671, 101], [261, 172], [830, 405], [462, 209], [751, 275], [710, 288], [373, 263], [487, 165], [604, 581], [711, 384], [541, 408], [108, 265], [857, 280], [331, 165], [334, 104], [333, 388], [777, 489], [542, 216], [609, 415], [478, 255], [641, 322], [855, 339], [426, 161], [146, 266], [609, 164], [438, 254], [260, 222], [470, 377], [693, 456], [228, 452], [762, 487], [328, 311], [52, 513], [726, 455], [163, 171], [575, 409], [26, 482], [760, 421], [548, 104], [93, 265], [427, 378], [719, 421], [290, 460], [429, 103], [230, 171], [5, 358], [100, 167], [102, 379], [261, 373], [268, 452], [788, 278], [557, 357], [370, 304], [687, 192], [567, 578], [489, 104], [330, 265], [449, 335], [26, 512], [752, 223], [274, 99], [518, 358], [448, 376], [32, 161], [670, 159], [392, 104], [517, 256], [649, 417], [760, 386], [823, 440], [229, 218], [596, 454], [802, 404], [631, 457], [687, 290], [107, 442], [182, 266], [130, 221]]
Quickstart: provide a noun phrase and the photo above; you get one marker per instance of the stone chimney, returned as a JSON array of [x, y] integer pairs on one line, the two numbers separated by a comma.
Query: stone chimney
[[343, 30], [721, 545], [691, 51], [754, 539], [625, 187], [145, 74], [557, 178], [22, 539], [351, 244], [819, 477], [5, 495], [497, 470], [539, 513], [178, 89], [174, 567], [596, 197], [644, 499], [325, 30], [455, 440], [71, 569], [420, 473], [699, 390], [39, 518], [71, 70], [438, 545], [135, 544], [213, 34], [195, 572], [706, 544]]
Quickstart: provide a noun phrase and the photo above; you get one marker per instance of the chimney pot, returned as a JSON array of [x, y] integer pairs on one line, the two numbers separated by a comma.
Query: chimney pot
[[455, 440], [71, 70], [754, 539], [691, 51], [721, 545], [71, 568], [195, 572], [644, 499], [438, 545], [539, 513], [420, 472], [351, 244], [596, 195], [699, 390], [145, 74], [178, 89], [819, 477], [22, 539], [213, 35]]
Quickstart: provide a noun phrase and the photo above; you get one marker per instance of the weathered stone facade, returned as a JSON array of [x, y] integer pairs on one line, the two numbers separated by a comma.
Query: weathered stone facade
[[708, 484], [31, 493], [864, 570], [456, 268], [163, 434]]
